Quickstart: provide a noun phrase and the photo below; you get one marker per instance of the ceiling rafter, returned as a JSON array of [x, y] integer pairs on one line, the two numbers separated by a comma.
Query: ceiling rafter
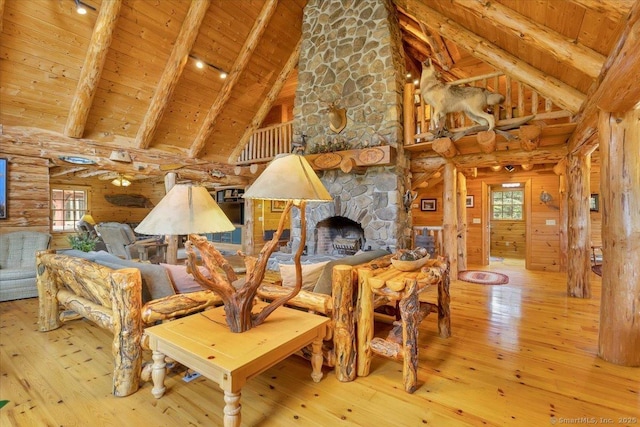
[[172, 72], [615, 9], [563, 49], [560, 93], [620, 75], [240, 64], [92, 68], [257, 120]]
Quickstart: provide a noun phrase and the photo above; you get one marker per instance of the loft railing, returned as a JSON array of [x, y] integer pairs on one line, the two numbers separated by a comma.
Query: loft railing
[[266, 143], [520, 101]]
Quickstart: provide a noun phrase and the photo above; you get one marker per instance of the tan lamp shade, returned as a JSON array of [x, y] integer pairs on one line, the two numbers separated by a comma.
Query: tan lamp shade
[[185, 209], [288, 177]]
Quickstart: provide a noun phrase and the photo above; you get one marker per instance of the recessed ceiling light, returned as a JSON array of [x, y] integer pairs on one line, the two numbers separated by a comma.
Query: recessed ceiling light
[[77, 160]]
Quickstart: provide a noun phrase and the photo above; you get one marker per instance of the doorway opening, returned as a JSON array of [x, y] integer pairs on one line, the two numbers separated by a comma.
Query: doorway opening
[[507, 223]]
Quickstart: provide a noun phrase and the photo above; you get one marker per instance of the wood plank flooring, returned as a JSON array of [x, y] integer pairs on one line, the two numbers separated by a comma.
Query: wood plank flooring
[[521, 354]]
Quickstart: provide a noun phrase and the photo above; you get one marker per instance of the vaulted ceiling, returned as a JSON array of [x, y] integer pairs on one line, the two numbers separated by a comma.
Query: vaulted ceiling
[[123, 76]]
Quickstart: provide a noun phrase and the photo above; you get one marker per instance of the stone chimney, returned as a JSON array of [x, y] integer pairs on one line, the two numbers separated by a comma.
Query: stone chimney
[[352, 55]]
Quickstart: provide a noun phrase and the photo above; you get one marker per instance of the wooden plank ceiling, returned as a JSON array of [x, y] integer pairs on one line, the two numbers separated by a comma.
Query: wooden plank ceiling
[[123, 76]]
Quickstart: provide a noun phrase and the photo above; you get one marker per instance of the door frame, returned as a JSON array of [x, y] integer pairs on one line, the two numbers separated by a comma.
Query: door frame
[[486, 221]]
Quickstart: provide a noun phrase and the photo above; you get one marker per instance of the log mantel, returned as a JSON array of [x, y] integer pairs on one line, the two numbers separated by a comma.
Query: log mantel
[[364, 157]]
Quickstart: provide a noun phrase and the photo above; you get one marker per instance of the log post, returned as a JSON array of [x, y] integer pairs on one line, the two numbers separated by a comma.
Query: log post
[[171, 255], [365, 321], [126, 301], [344, 323], [409, 312], [462, 221], [49, 307], [563, 225], [579, 264], [450, 218], [619, 337], [409, 114]]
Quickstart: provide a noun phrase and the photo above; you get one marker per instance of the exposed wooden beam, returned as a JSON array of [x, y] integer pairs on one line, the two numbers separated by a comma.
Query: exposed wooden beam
[[33, 142], [538, 36], [172, 72], [616, 89], [438, 47], [613, 9], [241, 62], [257, 120], [560, 93], [66, 171], [92, 68], [1, 13]]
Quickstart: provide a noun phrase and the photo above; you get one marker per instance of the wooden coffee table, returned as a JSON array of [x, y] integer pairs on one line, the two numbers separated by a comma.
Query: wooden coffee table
[[204, 343]]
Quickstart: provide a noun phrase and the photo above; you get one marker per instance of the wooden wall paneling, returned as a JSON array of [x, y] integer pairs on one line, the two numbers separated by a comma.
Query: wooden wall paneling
[[508, 239], [543, 236]]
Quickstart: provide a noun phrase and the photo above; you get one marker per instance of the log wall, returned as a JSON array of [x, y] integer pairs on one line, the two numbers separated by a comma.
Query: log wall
[[545, 219], [27, 194]]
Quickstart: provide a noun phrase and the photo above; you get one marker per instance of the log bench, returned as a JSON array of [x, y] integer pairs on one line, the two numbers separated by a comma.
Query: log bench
[[70, 288], [381, 286]]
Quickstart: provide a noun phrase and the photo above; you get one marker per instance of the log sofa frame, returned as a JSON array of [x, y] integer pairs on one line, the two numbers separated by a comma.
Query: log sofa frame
[[70, 288], [339, 348]]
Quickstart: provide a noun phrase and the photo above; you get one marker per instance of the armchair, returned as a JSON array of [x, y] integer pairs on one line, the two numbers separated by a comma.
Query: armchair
[[121, 241], [17, 263]]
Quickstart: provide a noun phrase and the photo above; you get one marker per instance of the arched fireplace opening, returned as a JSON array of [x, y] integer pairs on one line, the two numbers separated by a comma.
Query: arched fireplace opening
[[338, 235]]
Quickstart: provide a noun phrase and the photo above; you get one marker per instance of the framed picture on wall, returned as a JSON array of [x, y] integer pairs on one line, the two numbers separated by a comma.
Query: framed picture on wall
[[428, 204], [3, 188], [594, 203], [469, 203], [277, 205]]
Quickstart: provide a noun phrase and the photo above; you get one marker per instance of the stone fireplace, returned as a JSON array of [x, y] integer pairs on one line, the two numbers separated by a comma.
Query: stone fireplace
[[338, 235], [351, 54]]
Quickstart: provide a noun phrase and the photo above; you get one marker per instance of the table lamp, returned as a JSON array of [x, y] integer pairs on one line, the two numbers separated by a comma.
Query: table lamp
[[291, 179]]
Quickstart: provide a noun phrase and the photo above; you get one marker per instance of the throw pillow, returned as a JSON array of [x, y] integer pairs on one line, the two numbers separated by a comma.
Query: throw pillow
[[184, 282], [310, 274]]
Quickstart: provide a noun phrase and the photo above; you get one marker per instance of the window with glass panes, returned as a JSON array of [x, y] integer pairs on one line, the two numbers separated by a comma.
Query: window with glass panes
[[68, 205], [507, 204]]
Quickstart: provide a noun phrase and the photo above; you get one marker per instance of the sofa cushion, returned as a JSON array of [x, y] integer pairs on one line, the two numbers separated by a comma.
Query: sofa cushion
[[155, 278], [17, 273], [310, 274], [323, 285], [183, 281]]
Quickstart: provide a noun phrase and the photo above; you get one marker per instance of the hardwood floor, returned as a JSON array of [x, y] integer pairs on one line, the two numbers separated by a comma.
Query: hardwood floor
[[521, 354]]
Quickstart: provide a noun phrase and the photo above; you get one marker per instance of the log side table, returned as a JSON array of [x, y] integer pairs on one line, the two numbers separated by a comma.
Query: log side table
[[204, 343]]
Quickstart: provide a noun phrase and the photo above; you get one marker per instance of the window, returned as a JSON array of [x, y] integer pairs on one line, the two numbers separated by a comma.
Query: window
[[507, 204], [68, 205]]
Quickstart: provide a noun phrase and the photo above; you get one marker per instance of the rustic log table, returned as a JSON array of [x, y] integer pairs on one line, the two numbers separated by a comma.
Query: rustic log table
[[388, 284], [204, 343]]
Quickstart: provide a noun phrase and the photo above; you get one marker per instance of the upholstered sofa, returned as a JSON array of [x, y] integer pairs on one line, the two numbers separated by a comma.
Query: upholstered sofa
[[118, 295], [325, 293], [18, 263]]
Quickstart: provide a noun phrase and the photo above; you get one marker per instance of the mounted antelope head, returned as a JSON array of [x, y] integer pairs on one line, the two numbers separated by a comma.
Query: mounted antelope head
[[337, 117]]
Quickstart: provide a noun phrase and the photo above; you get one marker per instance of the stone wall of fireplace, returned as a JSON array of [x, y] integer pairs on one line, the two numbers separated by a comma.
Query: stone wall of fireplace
[[351, 54]]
